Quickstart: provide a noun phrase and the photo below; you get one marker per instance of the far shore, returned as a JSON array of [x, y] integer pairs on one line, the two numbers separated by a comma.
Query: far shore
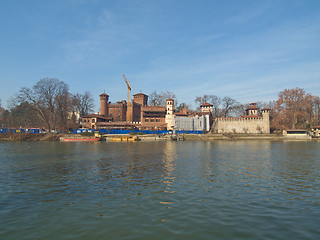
[[13, 137]]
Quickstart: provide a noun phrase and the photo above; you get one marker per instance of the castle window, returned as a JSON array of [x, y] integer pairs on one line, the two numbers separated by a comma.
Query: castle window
[[152, 120], [147, 120], [93, 120], [157, 120]]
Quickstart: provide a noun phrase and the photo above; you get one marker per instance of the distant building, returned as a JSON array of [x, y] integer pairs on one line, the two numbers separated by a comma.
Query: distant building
[[253, 121], [118, 111], [186, 121], [91, 120], [153, 118], [144, 117], [296, 134]]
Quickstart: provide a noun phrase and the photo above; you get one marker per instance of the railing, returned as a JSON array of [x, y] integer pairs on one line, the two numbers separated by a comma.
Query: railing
[[22, 130]]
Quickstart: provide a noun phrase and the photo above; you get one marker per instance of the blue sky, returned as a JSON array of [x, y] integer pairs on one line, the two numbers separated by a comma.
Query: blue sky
[[246, 49]]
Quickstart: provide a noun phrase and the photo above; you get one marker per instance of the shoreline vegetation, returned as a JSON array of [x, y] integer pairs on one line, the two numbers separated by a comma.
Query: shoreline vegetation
[[31, 137]]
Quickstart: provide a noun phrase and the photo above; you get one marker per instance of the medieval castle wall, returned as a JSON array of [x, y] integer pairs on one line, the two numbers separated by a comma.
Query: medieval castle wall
[[247, 124]]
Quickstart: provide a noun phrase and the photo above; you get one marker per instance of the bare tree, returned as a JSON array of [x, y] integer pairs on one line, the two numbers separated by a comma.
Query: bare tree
[[83, 103], [183, 106], [231, 107], [314, 110], [159, 99], [1, 109], [48, 97], [214, 100], [291, 108]]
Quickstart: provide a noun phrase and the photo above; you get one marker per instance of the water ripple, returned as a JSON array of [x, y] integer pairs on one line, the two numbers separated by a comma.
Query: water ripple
[[160, 190]]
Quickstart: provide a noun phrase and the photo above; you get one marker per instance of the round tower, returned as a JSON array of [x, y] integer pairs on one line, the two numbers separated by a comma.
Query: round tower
[[104, 108]]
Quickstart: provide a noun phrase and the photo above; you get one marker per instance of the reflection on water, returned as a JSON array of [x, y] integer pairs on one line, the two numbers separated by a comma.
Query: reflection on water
[[160, 190]]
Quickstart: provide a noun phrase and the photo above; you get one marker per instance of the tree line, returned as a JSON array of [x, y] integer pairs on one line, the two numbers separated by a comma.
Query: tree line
[[48, 104], [293, 109]]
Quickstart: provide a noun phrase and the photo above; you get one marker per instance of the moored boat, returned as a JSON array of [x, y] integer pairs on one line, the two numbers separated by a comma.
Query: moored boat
[[125, 139]]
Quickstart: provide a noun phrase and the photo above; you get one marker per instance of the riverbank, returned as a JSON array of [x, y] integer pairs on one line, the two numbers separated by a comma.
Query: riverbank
[[146, 137], [15, 137], [212, 137]]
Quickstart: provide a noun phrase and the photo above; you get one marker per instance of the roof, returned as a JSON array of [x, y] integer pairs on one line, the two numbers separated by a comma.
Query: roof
[[181, 114], [252, 106], [116, 124], [206, 105], [252, 116], [96, 116], [170, 99], [266, 109], [140, 94], [153, 109], [104, 94]]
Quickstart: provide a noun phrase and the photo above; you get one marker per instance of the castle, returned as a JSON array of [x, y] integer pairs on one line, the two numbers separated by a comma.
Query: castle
[[145, 117], [252, 122]]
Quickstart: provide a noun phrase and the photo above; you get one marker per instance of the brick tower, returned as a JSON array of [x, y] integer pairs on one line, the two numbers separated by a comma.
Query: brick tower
[[104, 108]]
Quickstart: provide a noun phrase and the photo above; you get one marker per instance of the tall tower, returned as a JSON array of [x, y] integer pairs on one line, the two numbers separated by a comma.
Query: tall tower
[[141, 99], [170, 117], [104, 108], [266, 118]]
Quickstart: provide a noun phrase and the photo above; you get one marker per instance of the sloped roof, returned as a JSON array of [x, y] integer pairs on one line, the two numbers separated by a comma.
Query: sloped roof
[[140, 94], [97, 116], [206, 105]]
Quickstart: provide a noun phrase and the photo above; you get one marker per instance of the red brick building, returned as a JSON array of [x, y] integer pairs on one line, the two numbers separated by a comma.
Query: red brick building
[[113, 115], [153, 118], [118, 111], [91, 120]]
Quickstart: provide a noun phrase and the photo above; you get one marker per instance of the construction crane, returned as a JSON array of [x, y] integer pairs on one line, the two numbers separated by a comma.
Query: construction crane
[[128, 117]]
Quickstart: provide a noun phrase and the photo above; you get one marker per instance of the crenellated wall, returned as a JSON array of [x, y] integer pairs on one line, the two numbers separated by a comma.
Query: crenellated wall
[[246, 124]]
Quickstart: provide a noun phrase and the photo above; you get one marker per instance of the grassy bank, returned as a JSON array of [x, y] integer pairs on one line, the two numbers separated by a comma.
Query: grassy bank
[[187, 137], [212, 137], [29, 137]]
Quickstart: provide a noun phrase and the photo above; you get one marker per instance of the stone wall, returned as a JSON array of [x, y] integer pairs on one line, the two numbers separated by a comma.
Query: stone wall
[[242, 125]]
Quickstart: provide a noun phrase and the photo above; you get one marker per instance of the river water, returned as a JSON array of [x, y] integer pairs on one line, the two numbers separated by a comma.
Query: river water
[[160, 190]]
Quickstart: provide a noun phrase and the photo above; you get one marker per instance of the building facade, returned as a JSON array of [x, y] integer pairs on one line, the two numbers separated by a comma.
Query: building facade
[[144, 117], [90, 121], [153, 118]]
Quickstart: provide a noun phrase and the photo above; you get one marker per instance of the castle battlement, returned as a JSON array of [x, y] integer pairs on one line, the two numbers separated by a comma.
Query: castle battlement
[[240, 119], [250, 123]]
